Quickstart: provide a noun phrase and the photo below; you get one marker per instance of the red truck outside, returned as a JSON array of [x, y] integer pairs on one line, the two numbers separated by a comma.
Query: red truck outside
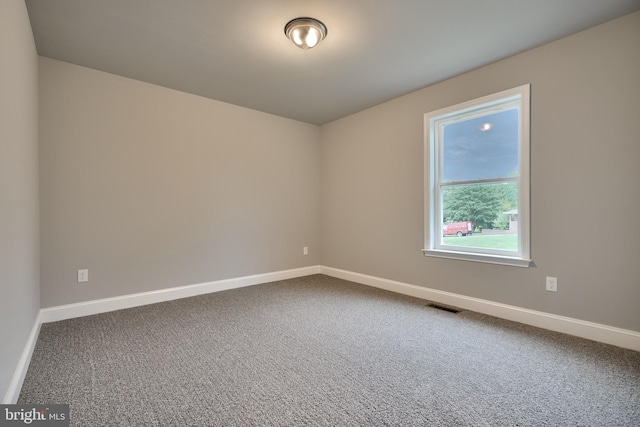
[[463, 228]]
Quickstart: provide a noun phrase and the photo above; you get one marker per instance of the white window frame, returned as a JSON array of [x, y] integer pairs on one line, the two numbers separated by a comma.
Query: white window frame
[[433, 124]]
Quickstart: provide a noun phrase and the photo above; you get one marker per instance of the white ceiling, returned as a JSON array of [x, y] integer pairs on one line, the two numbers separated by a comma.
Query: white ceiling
[[235, 50]]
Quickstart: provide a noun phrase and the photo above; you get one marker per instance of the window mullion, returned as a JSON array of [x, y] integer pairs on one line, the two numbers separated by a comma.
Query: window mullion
[[480, 181]]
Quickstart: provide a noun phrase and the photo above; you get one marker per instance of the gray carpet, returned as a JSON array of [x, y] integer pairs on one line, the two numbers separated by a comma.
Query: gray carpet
[[323, 351]]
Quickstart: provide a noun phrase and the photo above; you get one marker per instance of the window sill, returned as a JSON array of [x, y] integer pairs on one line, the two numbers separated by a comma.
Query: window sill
[[489, 259]]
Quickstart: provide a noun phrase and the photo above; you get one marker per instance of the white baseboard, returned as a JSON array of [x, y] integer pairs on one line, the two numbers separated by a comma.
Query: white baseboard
[[87, 308], [13, 392], [594, 331]]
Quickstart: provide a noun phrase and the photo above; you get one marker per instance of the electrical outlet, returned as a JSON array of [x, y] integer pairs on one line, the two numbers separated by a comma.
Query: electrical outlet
[[552, 284], [83, 276], [305, 251]]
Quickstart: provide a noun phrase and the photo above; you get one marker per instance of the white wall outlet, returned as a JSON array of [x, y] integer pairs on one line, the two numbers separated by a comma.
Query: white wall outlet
[[552, 284], [83, 276], [305, 251]]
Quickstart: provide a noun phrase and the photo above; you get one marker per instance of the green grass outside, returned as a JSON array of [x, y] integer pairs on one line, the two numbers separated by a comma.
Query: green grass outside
[[507, 242]]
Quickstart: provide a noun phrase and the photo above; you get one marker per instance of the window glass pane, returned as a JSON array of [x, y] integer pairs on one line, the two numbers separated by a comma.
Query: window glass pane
[[481, 216], [479, 148]]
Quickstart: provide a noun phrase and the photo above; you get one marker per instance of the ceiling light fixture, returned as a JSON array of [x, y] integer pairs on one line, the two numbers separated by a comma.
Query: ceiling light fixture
[[305, 32]]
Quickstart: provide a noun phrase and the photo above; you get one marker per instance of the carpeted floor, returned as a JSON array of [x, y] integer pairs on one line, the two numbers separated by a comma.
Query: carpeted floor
[[323, 351]]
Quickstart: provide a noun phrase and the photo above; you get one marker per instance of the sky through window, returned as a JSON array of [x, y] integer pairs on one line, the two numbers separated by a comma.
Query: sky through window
[[481, 148]]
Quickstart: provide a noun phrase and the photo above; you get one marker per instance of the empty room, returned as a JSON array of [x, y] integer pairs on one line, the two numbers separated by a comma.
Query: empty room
[[291, 212]]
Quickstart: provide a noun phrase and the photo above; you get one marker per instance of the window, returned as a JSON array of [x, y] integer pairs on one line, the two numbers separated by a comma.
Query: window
[[477, 179]]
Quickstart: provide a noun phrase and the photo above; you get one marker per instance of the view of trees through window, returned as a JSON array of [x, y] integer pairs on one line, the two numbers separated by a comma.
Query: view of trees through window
[[489, 207], [483, 204]]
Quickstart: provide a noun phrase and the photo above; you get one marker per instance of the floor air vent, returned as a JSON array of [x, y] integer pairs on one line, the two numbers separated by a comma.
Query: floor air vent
[[443, 308]]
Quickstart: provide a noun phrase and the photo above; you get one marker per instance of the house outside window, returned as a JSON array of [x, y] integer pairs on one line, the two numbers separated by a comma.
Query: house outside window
[[477, 180]]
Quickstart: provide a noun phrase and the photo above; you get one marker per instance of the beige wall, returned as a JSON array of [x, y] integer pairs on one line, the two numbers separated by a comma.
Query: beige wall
[[585, 182], [150, 188], [19, 273]]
